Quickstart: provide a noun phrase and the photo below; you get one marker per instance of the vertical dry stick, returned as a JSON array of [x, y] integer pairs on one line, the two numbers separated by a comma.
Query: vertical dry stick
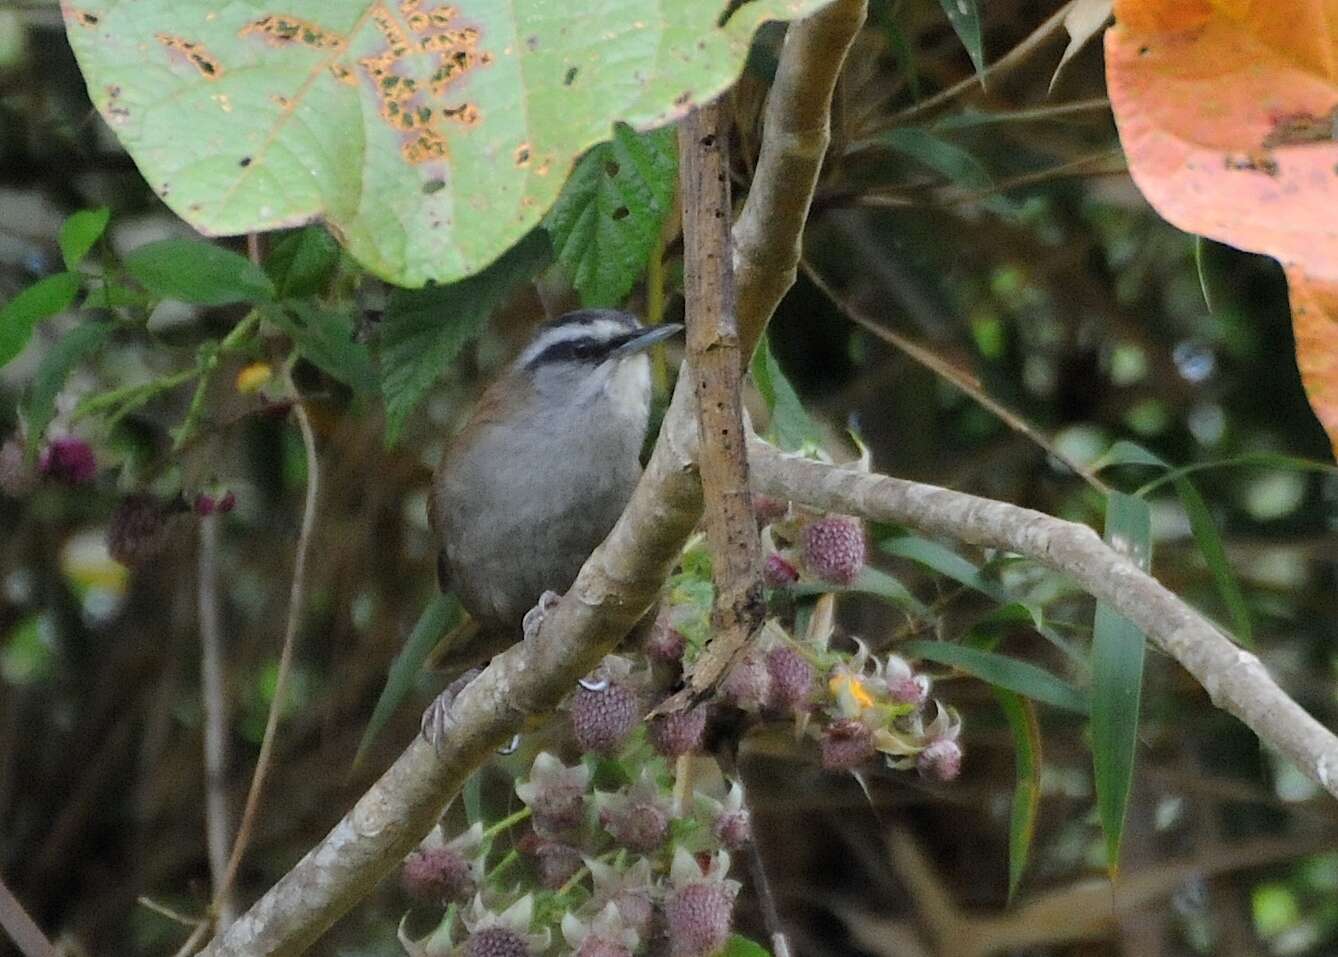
[[715, 363], [217, 814]]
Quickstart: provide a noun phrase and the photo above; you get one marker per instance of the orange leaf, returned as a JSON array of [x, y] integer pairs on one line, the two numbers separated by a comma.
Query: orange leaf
[[1315, 325], [1228, 114]]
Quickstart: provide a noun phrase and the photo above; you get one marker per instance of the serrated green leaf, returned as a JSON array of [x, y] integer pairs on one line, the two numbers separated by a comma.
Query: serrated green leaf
[[80, 342], [201, 273], [1021, 677], [79, 232], [425, 329], [442, 614], [42, 299], [740, 946], [1118, 649], [325, 337], [301, 263], [431, 140], [790, 427], [1021, 715], [964, 15], [610, 214]]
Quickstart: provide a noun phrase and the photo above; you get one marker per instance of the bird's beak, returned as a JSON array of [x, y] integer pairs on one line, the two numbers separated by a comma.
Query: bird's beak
[[647, 338]]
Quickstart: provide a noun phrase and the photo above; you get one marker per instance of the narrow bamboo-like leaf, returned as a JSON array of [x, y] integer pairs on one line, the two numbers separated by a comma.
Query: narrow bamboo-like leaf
[[1021, 677], [198, 272], [42, 299], [873, 582], [945, 561], [425, 329], [791, 427], [956, 164], [441, 614], [1021, 715], [1117, 678], [1268, 460], [64, 355], [904, 52], [1213, 551], [948, 563], [472, 793], [1204, 530], [964, 15], [79, 232]]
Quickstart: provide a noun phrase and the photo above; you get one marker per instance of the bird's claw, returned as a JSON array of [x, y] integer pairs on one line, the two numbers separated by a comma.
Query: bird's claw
[[437, 718], [534, 618]]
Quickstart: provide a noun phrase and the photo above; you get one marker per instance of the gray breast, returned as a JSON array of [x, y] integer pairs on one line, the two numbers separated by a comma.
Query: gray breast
[[522, 512]]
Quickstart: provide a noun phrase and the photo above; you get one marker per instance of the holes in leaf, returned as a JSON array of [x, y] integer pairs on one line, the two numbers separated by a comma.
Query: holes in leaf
[[622, 212], [570, 78], [611, 169]]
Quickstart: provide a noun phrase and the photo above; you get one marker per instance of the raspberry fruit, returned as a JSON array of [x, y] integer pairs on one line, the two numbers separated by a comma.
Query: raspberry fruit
[[678, 732], [834, 549]]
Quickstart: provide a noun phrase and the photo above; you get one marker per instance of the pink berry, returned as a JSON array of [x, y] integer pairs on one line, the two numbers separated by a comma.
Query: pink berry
[[602, 719], [777, 572], [439, 876], [791, 678], [941, 761], [69, 460], [748, 684], [679, 732], [846, 744], [496, 942], [699, 918], [834, 549]]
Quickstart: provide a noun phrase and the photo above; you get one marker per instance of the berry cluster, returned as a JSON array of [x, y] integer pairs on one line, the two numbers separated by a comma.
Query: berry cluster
[[615, 873], [601, 868]]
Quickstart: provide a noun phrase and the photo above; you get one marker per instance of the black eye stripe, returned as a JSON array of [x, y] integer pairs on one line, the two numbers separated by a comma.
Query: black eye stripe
[[581, 349]]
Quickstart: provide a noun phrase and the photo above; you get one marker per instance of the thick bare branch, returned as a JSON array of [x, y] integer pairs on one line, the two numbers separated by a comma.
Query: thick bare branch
[[770, 229], [1234, 678]]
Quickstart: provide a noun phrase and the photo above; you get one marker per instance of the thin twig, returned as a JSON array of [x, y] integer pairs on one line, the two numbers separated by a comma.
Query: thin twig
[[21, 928], [945, 370], [1013, 58], [213, 694], [715, 363], [296, 601], [766, 901]]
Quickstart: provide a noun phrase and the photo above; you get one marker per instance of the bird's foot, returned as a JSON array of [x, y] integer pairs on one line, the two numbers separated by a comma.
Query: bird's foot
[[534, 618], [437, 718]]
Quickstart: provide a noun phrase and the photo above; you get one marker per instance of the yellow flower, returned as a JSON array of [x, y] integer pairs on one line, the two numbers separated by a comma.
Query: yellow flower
[[850, 691], [253, 377]]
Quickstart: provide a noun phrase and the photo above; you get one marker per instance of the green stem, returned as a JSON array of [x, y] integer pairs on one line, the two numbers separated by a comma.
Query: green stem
[[510, 858], [208, 362], [506, 823]]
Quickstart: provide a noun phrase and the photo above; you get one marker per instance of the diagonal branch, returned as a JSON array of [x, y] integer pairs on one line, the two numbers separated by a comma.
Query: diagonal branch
[[622, 577], [1234, 678]]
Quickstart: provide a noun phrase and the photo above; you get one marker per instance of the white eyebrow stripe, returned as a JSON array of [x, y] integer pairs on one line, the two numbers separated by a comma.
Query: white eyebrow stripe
[[598, 329]]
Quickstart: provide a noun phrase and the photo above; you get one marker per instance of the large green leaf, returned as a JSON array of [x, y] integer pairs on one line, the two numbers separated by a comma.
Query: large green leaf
[[425, 329], [430, 136], [198, 272], [610, 213], [20, 315], [1117, 677], [80, 232]]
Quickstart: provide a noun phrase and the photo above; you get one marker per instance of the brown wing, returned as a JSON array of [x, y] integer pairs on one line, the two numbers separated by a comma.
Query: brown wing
[[497, 404]]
